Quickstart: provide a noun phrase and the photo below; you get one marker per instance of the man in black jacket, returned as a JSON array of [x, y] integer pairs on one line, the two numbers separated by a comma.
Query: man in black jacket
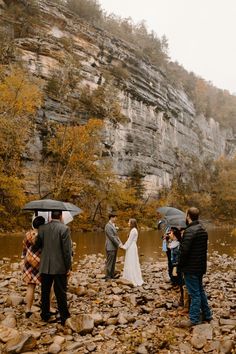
[[193, 264]]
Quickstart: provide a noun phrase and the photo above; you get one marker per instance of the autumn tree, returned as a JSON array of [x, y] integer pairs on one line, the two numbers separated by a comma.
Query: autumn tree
[[223, 189], [19, 99], [77, 172]]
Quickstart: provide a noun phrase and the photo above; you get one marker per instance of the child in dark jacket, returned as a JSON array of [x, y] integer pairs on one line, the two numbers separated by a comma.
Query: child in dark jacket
[[175, 237]]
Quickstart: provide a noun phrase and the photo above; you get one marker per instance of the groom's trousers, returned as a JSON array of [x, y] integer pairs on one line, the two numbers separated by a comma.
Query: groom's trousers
[[110, 263]]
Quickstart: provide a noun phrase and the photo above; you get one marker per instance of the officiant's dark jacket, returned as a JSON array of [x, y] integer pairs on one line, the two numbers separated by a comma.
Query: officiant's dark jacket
[[55, 242], [54, 239]]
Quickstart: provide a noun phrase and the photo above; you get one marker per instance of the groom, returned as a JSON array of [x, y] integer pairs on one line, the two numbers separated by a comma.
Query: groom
[[112, 244]]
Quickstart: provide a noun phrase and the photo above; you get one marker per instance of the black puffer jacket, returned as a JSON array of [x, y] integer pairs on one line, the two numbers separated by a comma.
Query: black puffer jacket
[[193, 249]]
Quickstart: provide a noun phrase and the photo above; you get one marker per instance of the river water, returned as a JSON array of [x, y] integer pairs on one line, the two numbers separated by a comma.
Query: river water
[[149, 243]]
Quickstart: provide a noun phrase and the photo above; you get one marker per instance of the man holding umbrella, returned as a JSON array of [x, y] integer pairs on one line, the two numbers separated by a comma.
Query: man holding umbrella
[[55, 264]]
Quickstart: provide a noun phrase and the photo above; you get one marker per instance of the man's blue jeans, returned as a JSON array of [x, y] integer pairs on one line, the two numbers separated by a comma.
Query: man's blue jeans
[[199, 302]]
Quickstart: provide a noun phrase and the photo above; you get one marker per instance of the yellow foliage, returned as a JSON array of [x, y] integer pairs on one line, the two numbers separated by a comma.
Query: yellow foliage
[[19, 95], [12, 198], [73, 155], [19, 99]]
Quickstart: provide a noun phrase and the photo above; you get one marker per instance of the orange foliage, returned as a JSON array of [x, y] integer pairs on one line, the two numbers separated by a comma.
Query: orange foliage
[[19, 96], [19, 99]]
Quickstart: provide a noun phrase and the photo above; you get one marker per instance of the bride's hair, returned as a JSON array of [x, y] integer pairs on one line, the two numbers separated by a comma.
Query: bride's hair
[[133, 223]]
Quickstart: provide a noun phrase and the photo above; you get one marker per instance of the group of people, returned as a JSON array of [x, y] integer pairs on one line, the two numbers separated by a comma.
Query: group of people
[[47, 253], [186, 251]]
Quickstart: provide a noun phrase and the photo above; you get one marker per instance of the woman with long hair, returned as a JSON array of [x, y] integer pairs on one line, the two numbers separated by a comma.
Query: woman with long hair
[[132, 270], [31, 261]]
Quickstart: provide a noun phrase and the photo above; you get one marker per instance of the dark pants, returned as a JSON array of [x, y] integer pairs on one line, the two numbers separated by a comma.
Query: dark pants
[[60, 287], [199, 303], [110, 264], [170, 266]]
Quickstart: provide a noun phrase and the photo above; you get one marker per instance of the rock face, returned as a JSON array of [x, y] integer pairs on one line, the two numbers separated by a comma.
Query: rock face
[[162, 129]]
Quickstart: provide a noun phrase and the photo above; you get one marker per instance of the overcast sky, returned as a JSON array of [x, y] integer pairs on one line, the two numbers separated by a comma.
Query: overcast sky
[[201, 33]]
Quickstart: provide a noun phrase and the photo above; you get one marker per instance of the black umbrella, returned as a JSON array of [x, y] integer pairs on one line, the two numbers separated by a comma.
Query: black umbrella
[[170, 211], [50, 204], [176, 221]]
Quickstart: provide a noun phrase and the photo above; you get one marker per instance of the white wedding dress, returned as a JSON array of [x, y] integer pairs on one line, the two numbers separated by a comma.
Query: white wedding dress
[[132, 270]]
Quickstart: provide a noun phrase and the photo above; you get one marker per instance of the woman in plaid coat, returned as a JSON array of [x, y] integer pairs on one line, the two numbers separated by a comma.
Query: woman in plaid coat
[[31, 261]]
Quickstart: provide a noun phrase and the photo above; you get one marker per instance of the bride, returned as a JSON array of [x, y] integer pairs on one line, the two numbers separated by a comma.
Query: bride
[[132, 271]]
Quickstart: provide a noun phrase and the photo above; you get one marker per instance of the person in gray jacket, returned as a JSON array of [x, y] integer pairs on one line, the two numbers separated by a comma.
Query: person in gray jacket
[[112, 244], [55, 264]]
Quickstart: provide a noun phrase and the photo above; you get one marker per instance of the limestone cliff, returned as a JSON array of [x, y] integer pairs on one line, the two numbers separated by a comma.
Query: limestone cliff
[[162, 129]]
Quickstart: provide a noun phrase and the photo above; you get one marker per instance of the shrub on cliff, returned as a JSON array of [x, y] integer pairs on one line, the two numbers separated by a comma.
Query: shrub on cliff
[[103, 102], [26, 16], [7, 47], [87, 9]]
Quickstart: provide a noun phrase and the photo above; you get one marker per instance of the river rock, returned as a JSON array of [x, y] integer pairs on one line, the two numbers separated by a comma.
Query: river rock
[[7, 333], [198, 341], [185, 348], [117, 290], [84, 324], [112, 321], [54, 348], [9, 321], [91, 347], [228, 322], [14, 299], [3, 284], [59, 340], [97, 317], [205, 330], [15, 266], [122, 318], [226, 346], [36, 334], [212, 346], [20, 344], [142, 349]]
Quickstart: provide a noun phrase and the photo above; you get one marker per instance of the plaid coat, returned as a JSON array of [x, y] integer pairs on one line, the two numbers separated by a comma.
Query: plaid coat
[[31, 260]]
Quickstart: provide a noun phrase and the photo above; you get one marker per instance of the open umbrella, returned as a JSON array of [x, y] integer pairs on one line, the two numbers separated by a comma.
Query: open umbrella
[[176, 221], [44, 207], [170, 211], [67, 216], [50, 205]]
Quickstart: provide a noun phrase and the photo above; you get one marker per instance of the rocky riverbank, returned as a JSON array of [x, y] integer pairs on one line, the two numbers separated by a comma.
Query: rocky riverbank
[[114, 317]]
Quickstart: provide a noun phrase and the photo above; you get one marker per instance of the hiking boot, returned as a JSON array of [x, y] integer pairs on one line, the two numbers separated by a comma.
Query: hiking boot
[[206, 320], [186, 324]]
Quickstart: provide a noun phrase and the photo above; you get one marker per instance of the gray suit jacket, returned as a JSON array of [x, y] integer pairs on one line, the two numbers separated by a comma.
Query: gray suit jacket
[[112, 239], [55, 241]]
